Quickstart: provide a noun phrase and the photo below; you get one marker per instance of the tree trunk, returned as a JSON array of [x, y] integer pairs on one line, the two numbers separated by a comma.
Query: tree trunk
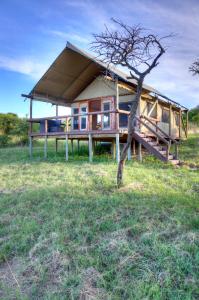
[[131, 125]]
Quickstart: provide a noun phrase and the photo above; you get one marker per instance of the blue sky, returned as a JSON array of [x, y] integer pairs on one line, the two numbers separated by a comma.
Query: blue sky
[[33, 33]]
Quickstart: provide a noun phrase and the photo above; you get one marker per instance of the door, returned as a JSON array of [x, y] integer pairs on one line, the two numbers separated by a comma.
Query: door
[[94, 106]]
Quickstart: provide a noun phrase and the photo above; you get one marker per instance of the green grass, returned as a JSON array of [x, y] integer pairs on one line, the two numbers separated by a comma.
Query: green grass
[[66, 231]]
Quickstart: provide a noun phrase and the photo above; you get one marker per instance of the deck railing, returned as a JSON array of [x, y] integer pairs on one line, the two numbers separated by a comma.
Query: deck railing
[[67, 119]]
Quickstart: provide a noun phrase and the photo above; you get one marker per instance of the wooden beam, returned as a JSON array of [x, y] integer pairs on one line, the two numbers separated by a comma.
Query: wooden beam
[[45, 146], [152, 108], [56, 145], [72, 147], [78, 142], [187, 123], [117, 105], [170, 119], [134, 150], [30, 146], [117, 139], [31, 104], [113, 149], [66, 147], [129, 153], [90, 147], [140, 152], [180, 124]]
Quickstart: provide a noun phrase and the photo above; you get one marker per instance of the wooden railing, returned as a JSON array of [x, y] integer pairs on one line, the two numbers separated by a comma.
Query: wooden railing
[[166, 139], [68, 118]]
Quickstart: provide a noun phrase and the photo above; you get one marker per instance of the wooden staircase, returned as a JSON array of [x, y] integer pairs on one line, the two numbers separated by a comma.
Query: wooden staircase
[[156, 141]]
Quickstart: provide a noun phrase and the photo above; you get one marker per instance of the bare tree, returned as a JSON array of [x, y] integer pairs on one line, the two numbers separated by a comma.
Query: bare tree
[[134, 48], [194, 68]]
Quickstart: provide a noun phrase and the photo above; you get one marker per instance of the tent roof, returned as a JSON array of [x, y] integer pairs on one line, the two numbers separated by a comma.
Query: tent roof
[[71, 72]]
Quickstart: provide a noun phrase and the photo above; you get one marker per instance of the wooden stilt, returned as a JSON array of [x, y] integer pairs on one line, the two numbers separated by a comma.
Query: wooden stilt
[[45, 146], [113, 149], [78, 141], [129, 153], [66, 147], [117, 139], [72, 147], [134, 151], [30, 146], [140, 152], [56, 145], [90, 146]]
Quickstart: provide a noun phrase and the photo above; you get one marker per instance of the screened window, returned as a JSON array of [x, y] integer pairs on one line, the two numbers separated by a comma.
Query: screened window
[[177, 119], [106, 117], [165, 115], [154, 111], [83, 118], [123, 119], [75, 119]]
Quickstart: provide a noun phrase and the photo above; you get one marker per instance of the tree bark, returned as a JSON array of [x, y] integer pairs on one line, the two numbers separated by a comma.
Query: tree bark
[[131, 126]]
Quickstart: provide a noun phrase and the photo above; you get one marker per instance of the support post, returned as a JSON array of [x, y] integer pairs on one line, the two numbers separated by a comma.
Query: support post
[[140, 152], [170, 119], [134, 151], [180, 124], [113, 150], [187, 123], [66, 147], [117, 106], [30, 128], [117, 139], [56, 110], [78, 146], [129, 153], [56, 145], [90, 146], [45, 146], [30, 146], [72, 147]]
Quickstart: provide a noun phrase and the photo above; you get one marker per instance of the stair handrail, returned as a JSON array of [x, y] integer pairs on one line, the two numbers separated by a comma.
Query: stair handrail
[[164, 133], [153, 131], [160, 129]]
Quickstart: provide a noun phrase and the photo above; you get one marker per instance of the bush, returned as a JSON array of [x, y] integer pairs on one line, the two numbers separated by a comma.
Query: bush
[[4, 140]]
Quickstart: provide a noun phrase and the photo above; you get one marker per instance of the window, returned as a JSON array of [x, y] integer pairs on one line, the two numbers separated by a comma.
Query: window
[[123, 119], [106, 117], [165, 115], [75, 125], [154, 111], [83, 118], [177, 119]]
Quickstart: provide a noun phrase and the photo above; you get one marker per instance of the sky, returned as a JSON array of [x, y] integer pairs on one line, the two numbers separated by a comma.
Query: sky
[[34, 32]]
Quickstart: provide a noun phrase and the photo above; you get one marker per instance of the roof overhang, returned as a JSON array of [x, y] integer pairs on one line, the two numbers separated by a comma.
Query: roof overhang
[[72, 71]]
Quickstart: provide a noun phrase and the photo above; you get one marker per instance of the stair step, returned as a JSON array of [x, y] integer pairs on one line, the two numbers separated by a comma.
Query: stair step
[[153, 143], [163, 152]]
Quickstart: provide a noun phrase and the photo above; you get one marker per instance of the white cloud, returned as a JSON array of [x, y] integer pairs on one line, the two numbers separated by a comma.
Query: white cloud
[[23, 65], [69, 36]]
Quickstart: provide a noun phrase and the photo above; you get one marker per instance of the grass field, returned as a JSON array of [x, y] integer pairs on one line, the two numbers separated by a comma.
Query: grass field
[[67, 232]]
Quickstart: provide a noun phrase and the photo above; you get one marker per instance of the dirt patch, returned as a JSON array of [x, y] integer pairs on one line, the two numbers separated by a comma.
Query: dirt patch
[[89, 289], [11, 279], [134, 186]]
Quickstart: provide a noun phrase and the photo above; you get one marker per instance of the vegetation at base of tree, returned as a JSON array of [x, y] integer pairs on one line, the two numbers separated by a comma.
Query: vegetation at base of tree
[[13, 130], [67, 231]]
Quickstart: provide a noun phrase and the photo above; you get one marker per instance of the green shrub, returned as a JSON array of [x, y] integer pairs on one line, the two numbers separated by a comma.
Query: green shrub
[[4, 140]]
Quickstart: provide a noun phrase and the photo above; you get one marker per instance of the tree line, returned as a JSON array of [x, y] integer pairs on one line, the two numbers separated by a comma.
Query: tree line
[[13, 130]]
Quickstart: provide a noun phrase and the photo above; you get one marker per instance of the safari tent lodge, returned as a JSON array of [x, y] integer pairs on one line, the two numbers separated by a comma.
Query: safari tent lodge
[[100, 99]]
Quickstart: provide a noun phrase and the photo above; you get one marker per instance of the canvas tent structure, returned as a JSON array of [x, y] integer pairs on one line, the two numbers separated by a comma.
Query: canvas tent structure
[[100, 97]]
